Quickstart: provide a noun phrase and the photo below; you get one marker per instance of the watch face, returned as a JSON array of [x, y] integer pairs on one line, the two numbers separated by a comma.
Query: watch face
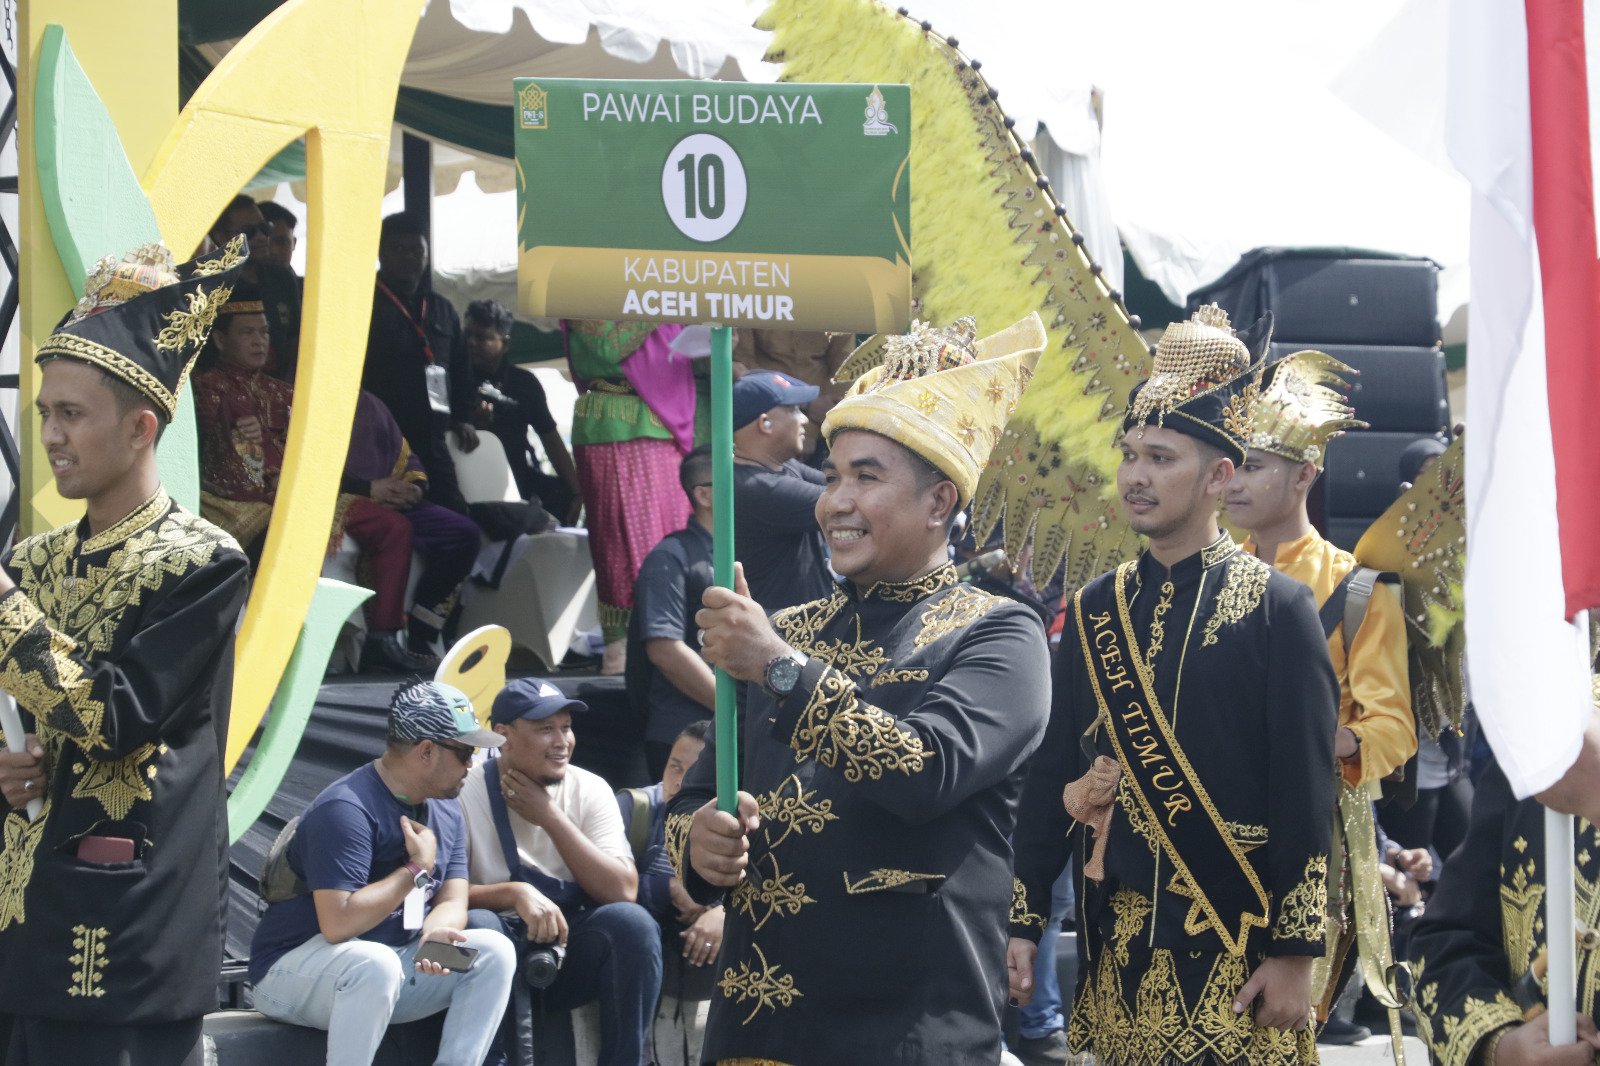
[[782, 676]]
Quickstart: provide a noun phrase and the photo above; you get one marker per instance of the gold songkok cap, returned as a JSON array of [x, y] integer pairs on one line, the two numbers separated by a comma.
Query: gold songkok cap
[[143, 320], [1204, 380], [940, 392], [1302, 407]]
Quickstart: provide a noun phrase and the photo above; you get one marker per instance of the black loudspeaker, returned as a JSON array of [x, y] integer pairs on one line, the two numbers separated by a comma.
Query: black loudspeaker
[[1324, 296], [1395, 389], [1363, 473], [1345, 532]]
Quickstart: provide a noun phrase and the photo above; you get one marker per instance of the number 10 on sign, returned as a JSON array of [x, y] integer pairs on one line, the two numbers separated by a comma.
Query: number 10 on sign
[[703, 187]]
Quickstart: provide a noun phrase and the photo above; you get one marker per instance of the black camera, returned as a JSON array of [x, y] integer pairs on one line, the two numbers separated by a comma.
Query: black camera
[[543, 965]]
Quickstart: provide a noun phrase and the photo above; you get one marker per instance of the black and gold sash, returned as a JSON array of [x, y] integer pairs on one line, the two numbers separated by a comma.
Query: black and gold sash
[[1170, 795]]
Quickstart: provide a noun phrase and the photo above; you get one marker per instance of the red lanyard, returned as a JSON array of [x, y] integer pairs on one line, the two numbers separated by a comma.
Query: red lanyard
[[422, 334]]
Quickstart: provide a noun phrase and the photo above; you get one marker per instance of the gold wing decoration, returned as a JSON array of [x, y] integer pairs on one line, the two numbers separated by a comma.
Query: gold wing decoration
[[1423, 538], [990, 240]]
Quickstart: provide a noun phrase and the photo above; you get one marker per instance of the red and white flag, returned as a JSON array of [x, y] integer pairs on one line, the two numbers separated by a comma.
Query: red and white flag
[[1519, 130]]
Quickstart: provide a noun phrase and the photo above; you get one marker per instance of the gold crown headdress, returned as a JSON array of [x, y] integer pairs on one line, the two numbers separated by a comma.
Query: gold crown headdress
[[1302, 407], [940, 392]]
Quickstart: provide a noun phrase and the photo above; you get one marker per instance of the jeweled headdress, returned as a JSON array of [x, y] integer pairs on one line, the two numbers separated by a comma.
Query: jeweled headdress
[[1302, 407], [143, 321], [940, 392], [1205, 380]]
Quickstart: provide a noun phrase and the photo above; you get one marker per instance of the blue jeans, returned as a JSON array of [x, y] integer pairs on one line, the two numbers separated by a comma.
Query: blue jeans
[[355, 989], [1042, 1016], [613, 956]]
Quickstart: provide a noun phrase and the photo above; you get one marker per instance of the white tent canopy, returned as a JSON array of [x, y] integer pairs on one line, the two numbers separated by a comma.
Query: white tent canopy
[[1225, 129]]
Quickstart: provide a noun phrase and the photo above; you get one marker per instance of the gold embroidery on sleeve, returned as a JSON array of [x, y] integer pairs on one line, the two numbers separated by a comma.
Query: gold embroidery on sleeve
[[89, 961], [763, 987], [676, 839], [1020, 914], [1240, 595], [1455, 1037], [837, 725], [882, 880], [1302, 914]]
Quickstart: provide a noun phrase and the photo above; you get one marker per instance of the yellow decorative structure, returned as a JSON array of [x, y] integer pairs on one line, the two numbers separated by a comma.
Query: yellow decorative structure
[[476, 664], [1302, 408], [325, 69], [942, 393], [990, 240]]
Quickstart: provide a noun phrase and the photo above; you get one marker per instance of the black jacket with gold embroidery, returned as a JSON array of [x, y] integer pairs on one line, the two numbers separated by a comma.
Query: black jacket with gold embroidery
[[1485, 925], [871, 926], [119, 650], [1241, 672]]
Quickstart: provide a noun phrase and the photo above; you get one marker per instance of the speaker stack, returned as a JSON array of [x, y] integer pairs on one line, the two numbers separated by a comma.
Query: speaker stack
[[1376, 313]]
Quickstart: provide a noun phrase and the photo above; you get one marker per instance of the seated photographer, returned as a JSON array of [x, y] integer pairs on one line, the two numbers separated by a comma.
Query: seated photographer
[[383, 858], [546, 850]]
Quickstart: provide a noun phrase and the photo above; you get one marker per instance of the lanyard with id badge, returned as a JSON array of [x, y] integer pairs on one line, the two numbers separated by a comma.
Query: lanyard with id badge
[[434, 375]]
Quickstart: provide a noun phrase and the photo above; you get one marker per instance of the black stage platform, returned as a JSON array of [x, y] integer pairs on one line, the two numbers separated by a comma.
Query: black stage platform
[[347, 729]]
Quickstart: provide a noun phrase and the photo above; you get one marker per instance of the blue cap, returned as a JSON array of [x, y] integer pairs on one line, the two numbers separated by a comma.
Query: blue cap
[[760, 391], [532, 698], [431, 710]]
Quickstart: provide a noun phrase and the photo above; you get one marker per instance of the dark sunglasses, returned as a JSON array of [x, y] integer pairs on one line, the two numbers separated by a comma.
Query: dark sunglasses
[[460, 751]]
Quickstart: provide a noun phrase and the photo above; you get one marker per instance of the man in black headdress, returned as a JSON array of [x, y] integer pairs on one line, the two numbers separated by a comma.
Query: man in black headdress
[[116, 638], [1192, 727]]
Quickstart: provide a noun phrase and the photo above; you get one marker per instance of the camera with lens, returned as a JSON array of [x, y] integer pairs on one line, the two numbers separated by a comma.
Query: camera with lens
[[543, 965]]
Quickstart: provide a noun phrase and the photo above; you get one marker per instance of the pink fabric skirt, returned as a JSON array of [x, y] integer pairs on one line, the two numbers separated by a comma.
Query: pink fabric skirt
[[633, 498]]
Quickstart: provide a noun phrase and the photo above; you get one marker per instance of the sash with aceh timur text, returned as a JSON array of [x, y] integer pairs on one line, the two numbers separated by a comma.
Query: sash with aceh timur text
[[1175, 804]]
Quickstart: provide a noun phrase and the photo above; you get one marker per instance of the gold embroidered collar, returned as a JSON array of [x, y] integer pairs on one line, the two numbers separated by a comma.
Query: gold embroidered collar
[[138, 519], [1217, 551], [1189, 568], [911, 591]]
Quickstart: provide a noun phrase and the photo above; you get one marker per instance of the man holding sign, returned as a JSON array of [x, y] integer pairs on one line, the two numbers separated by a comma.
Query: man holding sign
[[868, 871]]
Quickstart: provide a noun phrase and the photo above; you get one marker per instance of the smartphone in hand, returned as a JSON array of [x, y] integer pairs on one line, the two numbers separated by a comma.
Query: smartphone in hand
[[450, 956]]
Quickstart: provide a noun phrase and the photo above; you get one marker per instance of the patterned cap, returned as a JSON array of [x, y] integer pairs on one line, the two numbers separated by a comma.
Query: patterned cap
[[144, 322], [940, 392], [431, 710], [1205, 380]]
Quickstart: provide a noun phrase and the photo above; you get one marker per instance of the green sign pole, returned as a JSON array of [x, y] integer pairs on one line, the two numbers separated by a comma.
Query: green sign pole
[[722, 554]]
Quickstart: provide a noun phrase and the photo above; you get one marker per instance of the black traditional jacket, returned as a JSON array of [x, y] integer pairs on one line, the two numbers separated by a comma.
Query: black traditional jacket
[[119, 651], [1241, 789], [871, 925], [1474, 948]]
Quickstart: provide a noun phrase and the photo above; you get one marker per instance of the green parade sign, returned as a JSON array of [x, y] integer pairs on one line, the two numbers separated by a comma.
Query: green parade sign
[[783, 206]]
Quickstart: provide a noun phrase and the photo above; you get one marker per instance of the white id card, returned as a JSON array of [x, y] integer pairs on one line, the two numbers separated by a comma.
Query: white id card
[[411, 910], [438, 388]]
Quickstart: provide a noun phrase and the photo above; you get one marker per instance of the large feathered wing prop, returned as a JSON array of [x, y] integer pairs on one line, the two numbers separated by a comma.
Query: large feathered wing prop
[[1423, 538], [989, 240]]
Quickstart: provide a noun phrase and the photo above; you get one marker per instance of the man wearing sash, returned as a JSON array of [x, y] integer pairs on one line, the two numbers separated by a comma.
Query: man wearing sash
[[1299, 412], [868, 875], [1192, 727]]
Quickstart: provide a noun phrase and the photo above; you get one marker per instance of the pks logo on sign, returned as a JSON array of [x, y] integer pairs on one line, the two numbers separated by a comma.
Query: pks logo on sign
[[531, 102]]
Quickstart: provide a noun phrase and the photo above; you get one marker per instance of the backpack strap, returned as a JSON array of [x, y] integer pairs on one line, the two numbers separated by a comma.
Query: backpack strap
[[1333, 608], [639, 811], [568, 895]]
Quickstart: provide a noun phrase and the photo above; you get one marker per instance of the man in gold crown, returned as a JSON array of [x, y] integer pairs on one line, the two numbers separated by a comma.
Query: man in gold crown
[[116, 639], [868, 872], [1300, 410], [1192, 729]]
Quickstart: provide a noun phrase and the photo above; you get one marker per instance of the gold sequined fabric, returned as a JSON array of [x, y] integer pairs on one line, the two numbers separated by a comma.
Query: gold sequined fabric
[[1192, 358]]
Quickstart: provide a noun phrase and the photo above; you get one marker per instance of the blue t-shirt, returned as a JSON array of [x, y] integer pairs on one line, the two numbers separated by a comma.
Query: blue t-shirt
[[348, 838]]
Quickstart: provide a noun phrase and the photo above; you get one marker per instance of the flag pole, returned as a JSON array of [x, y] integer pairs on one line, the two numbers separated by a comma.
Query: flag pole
[[722, 553], [1560, 903]]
